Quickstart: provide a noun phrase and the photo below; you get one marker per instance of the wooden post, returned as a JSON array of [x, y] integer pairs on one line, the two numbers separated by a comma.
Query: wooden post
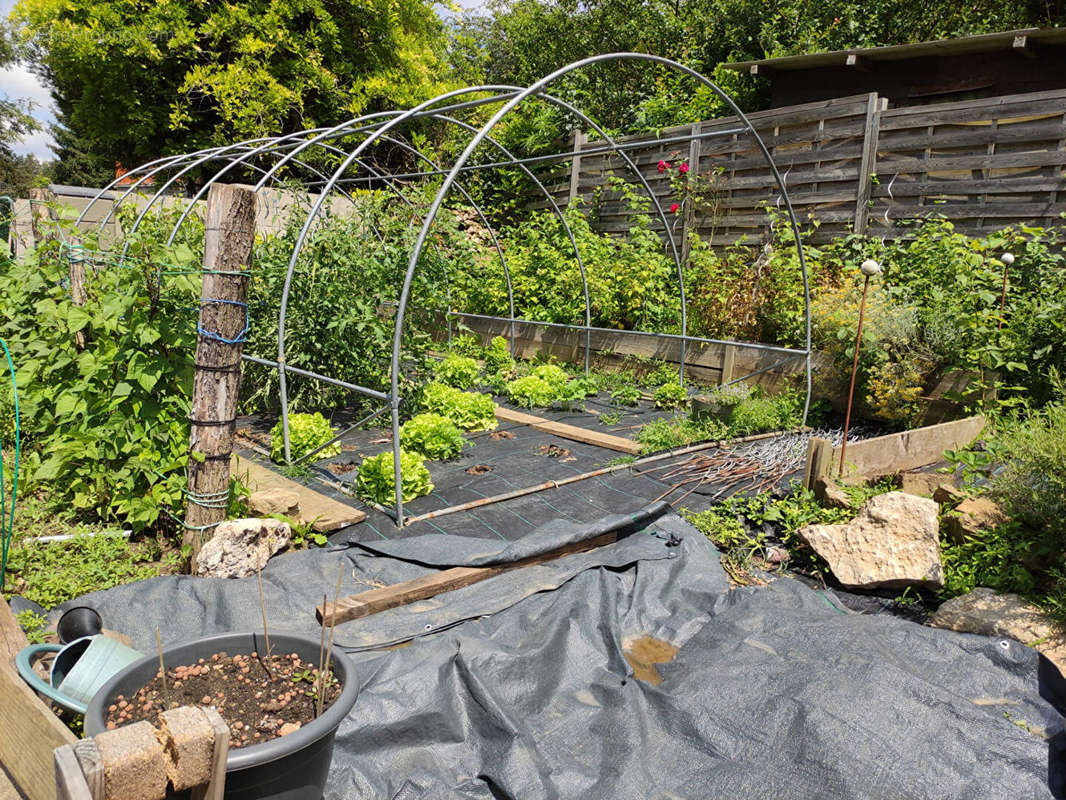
[[689, 222], [229, 233], [819, 460], [729, 357], [42, 214], [868, 162], [575, 167]]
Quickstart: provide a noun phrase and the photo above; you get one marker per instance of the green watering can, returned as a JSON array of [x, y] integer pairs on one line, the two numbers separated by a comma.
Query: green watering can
[[79, 669]]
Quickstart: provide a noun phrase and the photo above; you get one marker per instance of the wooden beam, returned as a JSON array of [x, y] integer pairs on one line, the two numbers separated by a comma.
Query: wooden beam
[[323, 513], [868, 163], [29, 731], [448, 580], [571, 432], [229, 233], [899, 452]]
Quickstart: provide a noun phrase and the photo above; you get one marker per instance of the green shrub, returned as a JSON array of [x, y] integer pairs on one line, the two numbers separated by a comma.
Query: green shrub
[[459, 371], [671, 395], [376, 480], [432, 435], [469, 411], [532, 392], [1032, 450], [306, 432]]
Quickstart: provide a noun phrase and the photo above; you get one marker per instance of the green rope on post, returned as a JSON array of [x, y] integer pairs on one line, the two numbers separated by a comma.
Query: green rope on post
[[7, 521]]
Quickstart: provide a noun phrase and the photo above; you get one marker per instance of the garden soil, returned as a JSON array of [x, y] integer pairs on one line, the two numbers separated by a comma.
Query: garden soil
[[635, 671]]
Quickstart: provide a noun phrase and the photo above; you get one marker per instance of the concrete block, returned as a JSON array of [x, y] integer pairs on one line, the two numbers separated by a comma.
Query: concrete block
[[135, 765]]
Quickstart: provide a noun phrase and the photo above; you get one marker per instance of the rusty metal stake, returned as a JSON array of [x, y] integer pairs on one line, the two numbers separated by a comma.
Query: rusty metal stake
[[869, 269]]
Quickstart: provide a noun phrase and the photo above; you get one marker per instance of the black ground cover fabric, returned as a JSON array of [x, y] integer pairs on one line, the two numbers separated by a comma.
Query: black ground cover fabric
[[519, 687]]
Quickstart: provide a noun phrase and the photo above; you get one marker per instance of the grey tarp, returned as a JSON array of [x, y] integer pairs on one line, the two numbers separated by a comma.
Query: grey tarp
[[518, 687]]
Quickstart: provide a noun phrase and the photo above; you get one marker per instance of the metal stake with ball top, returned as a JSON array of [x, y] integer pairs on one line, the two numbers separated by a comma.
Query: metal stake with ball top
[[869, 268]]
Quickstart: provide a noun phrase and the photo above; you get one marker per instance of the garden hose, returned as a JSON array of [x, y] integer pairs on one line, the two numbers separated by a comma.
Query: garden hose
[[7, 520]]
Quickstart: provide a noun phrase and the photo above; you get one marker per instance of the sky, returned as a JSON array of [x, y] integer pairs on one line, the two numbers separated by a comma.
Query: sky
[[18, 82]]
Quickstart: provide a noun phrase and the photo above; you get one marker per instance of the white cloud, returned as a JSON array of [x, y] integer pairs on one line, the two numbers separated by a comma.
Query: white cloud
[[18, 83]]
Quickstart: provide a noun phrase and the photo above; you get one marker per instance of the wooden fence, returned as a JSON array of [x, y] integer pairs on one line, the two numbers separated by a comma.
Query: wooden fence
[[851, 164]]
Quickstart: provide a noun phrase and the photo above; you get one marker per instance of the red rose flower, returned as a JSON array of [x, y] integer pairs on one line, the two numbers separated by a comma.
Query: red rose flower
[[683, 168], [662, 166], [674, 208]]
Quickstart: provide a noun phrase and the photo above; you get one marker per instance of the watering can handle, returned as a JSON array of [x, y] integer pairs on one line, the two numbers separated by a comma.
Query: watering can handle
[[23, 661]]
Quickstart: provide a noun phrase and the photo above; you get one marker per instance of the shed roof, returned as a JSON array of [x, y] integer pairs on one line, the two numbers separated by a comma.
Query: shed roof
[[1022, 40]]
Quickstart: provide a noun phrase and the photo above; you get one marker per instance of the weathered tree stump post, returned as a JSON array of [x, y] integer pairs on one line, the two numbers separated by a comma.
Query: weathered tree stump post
[[228, 237], [42, 214]]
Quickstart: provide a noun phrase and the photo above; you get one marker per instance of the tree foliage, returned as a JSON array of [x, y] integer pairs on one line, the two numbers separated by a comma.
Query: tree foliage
[[519, 41], [136, 80]]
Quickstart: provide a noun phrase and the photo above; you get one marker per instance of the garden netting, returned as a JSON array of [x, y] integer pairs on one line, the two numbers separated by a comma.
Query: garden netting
[[635, 671]]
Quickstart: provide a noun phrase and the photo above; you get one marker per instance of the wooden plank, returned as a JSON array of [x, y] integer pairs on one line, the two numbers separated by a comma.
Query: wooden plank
[[29, 731], [324, 513], [70, 782], [868, 166], [448, 580], [572, 432], [898, 452]]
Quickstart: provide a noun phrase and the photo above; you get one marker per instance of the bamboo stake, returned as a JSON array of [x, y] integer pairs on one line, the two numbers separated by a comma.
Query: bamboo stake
[[266, 635], [329, 649], [162, 668]]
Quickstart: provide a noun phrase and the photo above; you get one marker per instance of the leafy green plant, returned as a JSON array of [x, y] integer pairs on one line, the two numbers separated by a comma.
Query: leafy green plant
[[34, 625], [670, 396], [498, 356], [760, 414], [459, 371], [432, 435], [469, 411], [106, 428], [532, 392], [376, 480], [611, 418], [678, 431], [466, 344], [628, 395], [58, 571], [306, 432]]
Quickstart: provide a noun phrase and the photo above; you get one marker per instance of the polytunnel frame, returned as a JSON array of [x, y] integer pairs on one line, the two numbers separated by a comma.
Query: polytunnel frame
[[511, 96]]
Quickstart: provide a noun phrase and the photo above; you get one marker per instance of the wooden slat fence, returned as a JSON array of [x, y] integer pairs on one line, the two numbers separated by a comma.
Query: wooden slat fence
[[851, 164]]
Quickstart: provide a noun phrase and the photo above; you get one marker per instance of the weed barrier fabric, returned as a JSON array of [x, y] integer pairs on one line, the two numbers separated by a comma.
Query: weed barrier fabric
[[526, 685]]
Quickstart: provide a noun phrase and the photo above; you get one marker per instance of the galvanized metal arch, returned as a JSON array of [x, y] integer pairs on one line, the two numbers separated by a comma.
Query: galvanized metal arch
[[450, 179]]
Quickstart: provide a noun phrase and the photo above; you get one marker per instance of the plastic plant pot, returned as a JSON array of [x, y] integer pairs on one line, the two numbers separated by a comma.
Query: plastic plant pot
[[291, 767]]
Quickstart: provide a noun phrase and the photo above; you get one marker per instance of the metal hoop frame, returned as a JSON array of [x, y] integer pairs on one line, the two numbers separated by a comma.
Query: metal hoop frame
[[379, 128]]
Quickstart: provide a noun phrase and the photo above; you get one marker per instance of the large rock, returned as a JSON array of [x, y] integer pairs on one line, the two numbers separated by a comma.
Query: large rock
[[274, 501], [241, 547], [830, 493], [892, 543], [985, 612], [923, 484], [972, 517]]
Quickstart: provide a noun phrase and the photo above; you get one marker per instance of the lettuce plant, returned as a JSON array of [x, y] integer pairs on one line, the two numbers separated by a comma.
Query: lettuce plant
[[469, 411], [433, 435], [458, 371], [376, 478], [306, 432]]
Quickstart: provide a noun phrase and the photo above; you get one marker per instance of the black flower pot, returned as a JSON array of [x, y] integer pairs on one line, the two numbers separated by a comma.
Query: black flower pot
[[291, 767]]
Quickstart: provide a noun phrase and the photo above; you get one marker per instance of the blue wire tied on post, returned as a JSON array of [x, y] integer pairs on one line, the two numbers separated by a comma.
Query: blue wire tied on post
[[239, 338], [7, 520]]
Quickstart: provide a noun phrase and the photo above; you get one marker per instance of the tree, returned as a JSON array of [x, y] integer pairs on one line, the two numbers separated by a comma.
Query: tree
[[519, 41], [134, 80]]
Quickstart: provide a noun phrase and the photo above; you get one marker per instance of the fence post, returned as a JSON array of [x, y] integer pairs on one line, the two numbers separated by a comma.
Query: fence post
[[868, 162], [689, 221], [575, 167], [42, 214], [229, 232]]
